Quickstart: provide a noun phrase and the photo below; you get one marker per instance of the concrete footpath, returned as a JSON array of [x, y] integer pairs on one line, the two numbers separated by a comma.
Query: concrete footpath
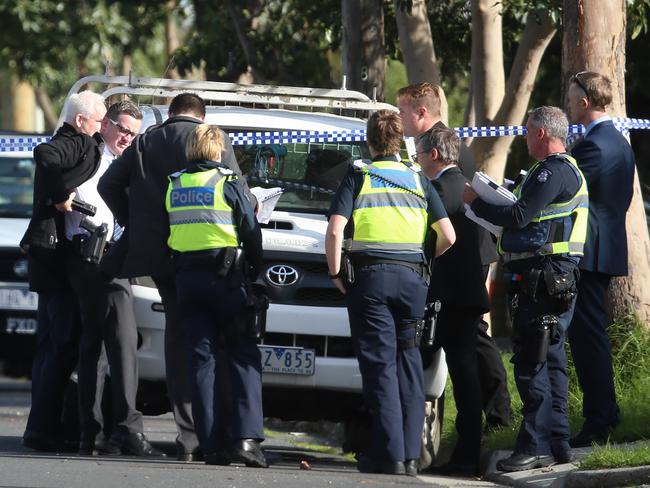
[[568, 475]]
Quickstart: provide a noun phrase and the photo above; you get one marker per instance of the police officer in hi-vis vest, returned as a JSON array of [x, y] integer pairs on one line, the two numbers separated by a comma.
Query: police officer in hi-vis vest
[[392, 210], [210, 218], [542, 241]]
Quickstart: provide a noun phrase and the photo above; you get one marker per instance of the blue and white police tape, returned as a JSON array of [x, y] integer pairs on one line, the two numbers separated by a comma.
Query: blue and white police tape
[[28, 143]]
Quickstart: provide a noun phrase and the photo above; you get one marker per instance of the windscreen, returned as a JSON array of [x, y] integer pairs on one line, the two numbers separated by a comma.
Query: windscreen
[[16, 186], [309, 174]]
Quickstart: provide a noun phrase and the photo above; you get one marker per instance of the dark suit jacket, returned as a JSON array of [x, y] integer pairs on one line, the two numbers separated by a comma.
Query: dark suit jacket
[[607, 161], [62, 164], [468, 166], [458, 277], [134, 188]]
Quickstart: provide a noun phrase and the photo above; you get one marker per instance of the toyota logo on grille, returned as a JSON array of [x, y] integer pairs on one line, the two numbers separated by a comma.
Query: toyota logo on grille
[[20, 268], [281, 275]]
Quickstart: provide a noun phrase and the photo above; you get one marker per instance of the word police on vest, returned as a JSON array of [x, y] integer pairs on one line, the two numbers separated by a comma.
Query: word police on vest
[[190, 197]]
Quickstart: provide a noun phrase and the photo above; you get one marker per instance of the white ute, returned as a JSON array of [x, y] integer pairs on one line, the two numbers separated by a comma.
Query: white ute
[[301, 140]]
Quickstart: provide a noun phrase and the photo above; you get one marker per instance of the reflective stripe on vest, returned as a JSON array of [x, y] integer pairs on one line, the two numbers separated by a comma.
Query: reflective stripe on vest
[[574, 212], [388, 218], [199, 217]]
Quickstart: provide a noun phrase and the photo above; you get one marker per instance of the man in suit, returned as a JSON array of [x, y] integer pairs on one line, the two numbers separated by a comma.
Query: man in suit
[[419, 106], [67, 160], [607, 161], [457, 281], [106, 307], [134, 189]]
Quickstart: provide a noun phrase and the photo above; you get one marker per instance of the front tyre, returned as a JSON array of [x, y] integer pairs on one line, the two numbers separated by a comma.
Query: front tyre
[[432, 431]]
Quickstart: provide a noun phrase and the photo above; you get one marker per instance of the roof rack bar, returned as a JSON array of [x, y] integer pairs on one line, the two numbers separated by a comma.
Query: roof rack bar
[[251, 98], [232, 93]]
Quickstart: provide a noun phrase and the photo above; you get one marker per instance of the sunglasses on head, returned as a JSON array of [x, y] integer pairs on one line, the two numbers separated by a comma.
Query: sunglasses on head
[[576, 79]]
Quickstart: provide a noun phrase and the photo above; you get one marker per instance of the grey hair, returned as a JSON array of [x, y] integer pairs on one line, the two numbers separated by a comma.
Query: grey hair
[[444, 140], [552, 119], [84, 103]]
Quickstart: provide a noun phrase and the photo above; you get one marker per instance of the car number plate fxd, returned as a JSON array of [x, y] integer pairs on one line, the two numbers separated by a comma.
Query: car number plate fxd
[[288, 360]]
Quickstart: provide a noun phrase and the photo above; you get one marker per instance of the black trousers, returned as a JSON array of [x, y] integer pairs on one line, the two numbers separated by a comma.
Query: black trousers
[[592, 354], [106, 317], [493, 379], [57, 342], [457, 334], [179, 386]]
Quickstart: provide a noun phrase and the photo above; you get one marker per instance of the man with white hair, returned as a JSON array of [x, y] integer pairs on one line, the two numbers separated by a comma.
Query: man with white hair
[[71, 157]]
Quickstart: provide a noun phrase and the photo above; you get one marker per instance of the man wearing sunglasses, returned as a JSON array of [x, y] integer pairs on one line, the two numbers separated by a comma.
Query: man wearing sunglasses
[[607, 161], [106, 312]]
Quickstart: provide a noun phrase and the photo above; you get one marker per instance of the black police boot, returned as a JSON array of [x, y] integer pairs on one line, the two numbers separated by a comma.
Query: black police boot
[[248, 452]]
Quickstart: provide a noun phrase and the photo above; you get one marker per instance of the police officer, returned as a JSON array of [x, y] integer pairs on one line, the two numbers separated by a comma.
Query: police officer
[[542, 242], [392, 208], [209, 218]]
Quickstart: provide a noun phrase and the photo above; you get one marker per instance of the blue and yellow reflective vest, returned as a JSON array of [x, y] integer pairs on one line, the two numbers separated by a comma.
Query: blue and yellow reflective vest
[[199, 216], [388, 218], [559, 229]]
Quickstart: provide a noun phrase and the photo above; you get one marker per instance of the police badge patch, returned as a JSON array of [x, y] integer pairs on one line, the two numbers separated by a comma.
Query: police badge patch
[[543, 175]]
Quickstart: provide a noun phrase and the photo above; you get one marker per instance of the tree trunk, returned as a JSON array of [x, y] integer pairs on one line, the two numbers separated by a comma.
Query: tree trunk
[[23, 105], [491, 152], [594, 40], [364, 55], [251, 75], [44, 101], [171, 38], [416, 43], [488, 79]]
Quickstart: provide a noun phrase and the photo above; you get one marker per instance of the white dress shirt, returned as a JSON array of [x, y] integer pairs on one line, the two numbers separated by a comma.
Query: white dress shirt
[[87, 192]]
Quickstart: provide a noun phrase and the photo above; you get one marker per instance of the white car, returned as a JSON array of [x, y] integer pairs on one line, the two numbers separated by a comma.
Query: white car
[[17, 304], [301, 140]]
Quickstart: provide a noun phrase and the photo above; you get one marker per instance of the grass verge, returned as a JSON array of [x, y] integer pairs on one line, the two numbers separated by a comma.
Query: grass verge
[[631, 360], [609, 456]]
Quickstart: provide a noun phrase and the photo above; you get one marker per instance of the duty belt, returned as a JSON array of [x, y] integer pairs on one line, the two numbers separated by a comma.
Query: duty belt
[[358, 262]]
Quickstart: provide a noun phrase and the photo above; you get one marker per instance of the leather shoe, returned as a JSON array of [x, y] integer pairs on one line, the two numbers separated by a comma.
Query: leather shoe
[[189, 457], [564, 456], [523, 462], [456, 469], [134, 443], [218, 458], [367, 465], [586, 437], [45, 443], [248, 452], [411, 466]]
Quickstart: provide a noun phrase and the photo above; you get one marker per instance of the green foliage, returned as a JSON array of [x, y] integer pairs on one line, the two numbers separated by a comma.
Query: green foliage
[[289, 40], [631, 361], [609, 456], [637, 17]]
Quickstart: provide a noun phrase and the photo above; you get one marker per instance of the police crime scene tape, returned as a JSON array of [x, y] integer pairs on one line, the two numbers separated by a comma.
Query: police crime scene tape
[[16, 143]]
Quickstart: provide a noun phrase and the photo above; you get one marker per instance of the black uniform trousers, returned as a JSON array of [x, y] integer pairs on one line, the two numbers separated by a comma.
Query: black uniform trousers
[[55, 357], [106, 317], [542, 386], [179, 386], [592, 353], [382, 299], [457, 334], [208, 304], [492, 375]]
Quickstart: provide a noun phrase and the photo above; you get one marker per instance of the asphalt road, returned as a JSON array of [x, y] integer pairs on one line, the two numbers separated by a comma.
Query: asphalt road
[[22, 468]]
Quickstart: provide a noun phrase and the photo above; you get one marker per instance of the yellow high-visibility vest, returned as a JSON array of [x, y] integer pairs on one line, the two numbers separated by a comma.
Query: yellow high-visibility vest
[[199, 217], [572, 215], [388, 218]]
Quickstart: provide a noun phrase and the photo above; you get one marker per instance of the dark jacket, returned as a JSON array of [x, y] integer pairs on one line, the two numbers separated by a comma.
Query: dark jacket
[[62, 164], [134, 189], [458, 277], [467, 165], [607, 161]]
